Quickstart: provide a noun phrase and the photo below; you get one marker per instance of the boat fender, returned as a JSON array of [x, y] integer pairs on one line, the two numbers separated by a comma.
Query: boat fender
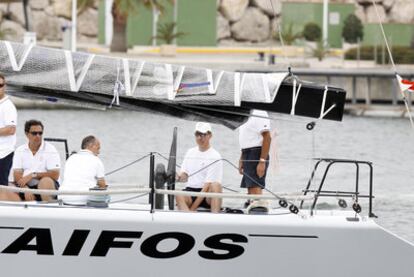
[[283, 203], [310, 126], [293, 209], [342, 203], [356, 207]]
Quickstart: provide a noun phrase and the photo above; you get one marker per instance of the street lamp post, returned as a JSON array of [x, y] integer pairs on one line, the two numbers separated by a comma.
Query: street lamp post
[[74, 23], [325, 21]]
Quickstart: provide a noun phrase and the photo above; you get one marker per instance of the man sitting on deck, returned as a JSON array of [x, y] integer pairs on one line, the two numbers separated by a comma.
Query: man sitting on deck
[[202, 169], [36, 165], [83, 170]]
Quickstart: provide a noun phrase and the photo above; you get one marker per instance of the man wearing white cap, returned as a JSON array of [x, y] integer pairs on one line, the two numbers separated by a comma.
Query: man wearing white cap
[[202, 169]]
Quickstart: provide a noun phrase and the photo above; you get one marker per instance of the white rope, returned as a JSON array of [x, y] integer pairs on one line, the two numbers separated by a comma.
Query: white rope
[[75, 192], [399, 79], [283, 195]]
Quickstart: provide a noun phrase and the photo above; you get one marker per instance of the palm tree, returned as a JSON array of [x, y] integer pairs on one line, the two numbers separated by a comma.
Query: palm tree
[[166, 32], [121, 9]]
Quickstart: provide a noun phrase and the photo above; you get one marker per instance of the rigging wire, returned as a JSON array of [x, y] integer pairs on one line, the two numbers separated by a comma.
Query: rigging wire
[[280, 36], [129, 198], [407, 107], [127, 165]]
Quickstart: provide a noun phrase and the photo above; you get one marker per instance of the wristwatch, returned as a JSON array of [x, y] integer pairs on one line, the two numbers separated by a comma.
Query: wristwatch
[[262, 160]]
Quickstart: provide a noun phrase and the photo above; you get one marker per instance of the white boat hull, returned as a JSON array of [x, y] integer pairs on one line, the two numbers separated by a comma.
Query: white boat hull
[[50, 240]]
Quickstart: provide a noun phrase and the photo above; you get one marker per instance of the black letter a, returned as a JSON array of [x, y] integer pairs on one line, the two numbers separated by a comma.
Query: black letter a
[[43, 244]]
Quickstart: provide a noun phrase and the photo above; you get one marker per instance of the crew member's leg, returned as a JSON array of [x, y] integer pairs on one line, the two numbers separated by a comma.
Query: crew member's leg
[[183, 202], [5, 166], [9, 196], [46, 183], [215, 202]]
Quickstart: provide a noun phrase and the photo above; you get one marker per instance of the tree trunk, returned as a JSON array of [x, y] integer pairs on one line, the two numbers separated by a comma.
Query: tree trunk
[[119, 38]]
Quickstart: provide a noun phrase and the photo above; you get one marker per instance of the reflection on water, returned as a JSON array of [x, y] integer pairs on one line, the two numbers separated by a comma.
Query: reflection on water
[[127, 136]]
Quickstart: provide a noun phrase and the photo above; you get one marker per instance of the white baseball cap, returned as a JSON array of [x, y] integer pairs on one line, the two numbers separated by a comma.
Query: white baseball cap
[[203, 127]]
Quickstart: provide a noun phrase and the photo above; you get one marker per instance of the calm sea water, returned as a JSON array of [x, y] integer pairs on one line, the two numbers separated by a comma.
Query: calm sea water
[[387, 142]]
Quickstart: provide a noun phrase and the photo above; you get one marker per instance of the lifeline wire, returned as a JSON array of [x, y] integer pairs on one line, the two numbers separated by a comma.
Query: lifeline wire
[[127, 165]]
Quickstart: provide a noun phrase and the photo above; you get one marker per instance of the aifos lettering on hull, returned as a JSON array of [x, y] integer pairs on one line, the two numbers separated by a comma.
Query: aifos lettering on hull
[[39, 240]]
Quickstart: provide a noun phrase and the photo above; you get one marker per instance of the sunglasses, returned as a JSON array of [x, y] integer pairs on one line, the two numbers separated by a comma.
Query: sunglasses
[[2, 85], [201, 135], [36, 133]]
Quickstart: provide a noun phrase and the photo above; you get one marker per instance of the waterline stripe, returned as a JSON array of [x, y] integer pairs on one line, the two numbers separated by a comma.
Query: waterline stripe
[[11, 228], [283, 236]]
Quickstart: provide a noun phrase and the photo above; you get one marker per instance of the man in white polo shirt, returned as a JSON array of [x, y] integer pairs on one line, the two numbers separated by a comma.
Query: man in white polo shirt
[[36, 164], [202, 169], [83, 170], [254, 139], [8, 122]]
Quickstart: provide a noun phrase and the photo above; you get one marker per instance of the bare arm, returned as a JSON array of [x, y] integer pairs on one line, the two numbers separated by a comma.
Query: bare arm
[[54, 174], [22, 181], [267, 139], [241, 163], [261, 166], [182, 177], [102, 183], [18, 176], [8, 130]]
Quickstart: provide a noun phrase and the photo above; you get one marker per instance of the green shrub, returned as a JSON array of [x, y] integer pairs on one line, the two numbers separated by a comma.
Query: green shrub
[[321, 50], [353, 29], [401, 54], [366, 53], [288, 34], [312, 32], [166, 32]]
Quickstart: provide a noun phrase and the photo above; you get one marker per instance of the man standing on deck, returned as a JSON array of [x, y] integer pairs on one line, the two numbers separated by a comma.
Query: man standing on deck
[[83, 170], [8, 122], [36, 164], [202, 169], [254, 139]]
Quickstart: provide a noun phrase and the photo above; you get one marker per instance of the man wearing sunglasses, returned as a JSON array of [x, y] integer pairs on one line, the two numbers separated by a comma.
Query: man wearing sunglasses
[[202, 169], [8, 121], [36, 165]]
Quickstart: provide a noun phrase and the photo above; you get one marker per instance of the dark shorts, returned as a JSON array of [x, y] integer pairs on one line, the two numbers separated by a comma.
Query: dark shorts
[[204, 203], [251, 157], [33, 184], [5, 166]]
